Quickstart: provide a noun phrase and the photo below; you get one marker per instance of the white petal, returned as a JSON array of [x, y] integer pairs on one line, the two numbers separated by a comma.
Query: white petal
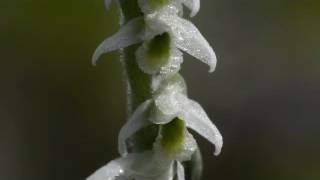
[[189, 147], [149, 165], [137, 121], [169, 85], [128, 34], [167, 105], [173, 65], [196, 165], [193, 5], [187, 38], [180, 171], [142, 166], [110, 171], [158, 117], [107, 3], [196, 119]]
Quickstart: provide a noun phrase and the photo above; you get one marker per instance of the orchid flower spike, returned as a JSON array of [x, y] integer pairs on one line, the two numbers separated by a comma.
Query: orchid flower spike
[[161, 35]]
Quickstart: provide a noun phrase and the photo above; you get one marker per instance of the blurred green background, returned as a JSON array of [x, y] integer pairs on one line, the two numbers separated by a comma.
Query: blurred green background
[[59, 116]]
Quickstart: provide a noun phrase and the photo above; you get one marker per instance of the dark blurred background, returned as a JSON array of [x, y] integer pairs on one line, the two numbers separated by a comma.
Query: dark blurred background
[[59, 116]]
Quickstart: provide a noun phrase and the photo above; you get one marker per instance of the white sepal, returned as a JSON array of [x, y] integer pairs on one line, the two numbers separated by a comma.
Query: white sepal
[[137, 121], [129, 34], [184, 34], [188, 38], [180, 171], [142, 166], [110, 171], [193, 5], [197, 119]]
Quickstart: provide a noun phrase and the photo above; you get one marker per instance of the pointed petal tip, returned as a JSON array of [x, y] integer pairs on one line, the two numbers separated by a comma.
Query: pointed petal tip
[[126, 36], [212, 69], [213, 62], [195, 9], [218, 145], [94, 59], [193, 14], [193, 5]]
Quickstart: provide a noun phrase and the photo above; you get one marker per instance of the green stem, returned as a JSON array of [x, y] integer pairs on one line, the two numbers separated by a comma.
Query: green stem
[[139, 89], [138, 82]]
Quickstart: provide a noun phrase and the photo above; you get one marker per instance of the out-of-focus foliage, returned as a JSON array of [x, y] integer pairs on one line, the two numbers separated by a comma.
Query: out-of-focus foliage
[[59, 116]]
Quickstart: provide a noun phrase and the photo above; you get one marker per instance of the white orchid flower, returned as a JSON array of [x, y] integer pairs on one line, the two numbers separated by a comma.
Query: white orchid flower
[[161, 163], [172, 102], [183, 35], [140, 166]]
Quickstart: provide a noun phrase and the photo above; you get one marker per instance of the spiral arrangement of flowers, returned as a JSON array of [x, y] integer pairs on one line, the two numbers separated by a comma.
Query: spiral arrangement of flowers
[[159, 35]]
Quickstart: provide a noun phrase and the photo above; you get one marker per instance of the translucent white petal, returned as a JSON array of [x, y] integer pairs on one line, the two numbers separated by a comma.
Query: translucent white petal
[[187, 38], [193, 5], [149, 165], [128, 34], [189, 147], [137, 121], [196, 165], [170, 85], [142, 166], [175, 7], [158, 117], [196, 119], [173, 65], [110, 171], [180, 171], [167, 105], [107, 3]]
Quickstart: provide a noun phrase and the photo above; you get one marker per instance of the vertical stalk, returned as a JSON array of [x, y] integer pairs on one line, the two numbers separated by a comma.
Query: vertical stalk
[[138, 82], [139, 90]]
